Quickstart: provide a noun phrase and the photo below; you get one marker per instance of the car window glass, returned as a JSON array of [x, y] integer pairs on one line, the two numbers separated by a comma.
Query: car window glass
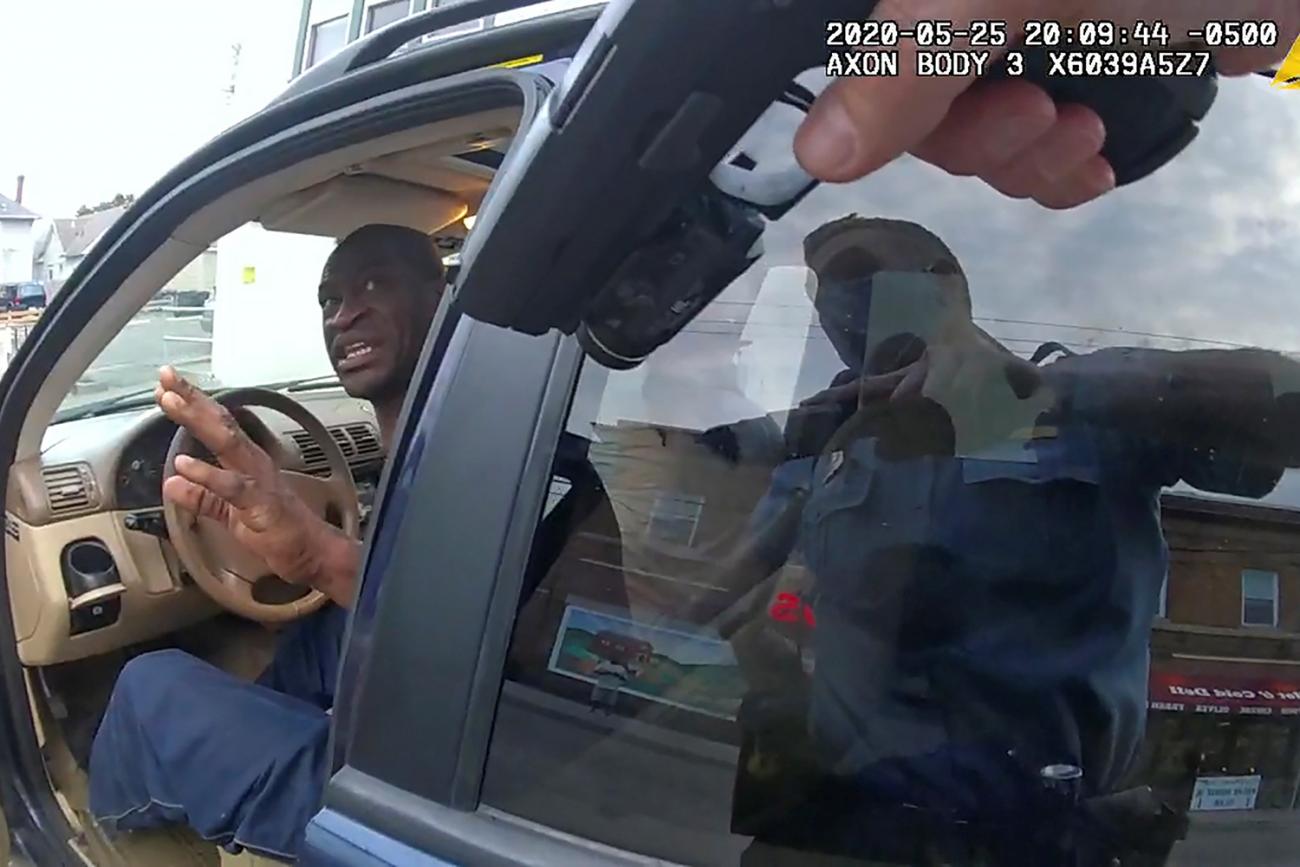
[[247, 311], [952, 524]]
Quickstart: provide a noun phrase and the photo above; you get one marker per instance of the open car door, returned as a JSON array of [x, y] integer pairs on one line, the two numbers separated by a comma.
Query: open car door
[[395, 121]]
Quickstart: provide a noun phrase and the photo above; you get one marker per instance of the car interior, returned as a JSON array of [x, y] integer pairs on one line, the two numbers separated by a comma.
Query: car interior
[[96, 571]]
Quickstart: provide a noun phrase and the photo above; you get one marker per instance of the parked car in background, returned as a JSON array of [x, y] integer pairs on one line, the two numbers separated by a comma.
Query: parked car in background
[[186, 302], [205, 318], [22, 296], [29, 296]]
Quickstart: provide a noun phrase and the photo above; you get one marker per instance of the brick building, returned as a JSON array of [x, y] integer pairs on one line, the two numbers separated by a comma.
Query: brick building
[[1225, 657]]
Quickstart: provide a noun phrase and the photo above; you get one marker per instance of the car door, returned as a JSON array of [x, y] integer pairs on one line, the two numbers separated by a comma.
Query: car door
[[481, 730], [361, 95]]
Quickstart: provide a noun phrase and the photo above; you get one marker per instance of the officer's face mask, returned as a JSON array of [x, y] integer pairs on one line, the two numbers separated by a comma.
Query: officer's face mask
[[883, 321]]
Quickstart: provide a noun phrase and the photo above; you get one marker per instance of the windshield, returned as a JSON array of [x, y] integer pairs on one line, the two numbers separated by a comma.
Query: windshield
[[244, 312]]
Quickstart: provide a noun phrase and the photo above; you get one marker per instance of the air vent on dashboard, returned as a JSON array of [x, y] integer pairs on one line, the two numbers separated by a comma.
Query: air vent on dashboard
[[357, 441], [313, 456], [345, 442], [68, 489], [367, 443]]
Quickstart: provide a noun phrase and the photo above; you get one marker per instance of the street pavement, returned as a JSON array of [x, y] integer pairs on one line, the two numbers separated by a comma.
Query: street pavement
[[1258, 838], [132, 359]]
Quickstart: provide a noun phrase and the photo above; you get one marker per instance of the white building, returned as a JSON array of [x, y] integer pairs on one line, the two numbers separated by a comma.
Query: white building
[[60, 245], [325, 26], [47, 254], [16, 241], [78, 234]]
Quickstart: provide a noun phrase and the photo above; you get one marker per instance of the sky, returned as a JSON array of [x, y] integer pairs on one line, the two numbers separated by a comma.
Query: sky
[[113, 94]]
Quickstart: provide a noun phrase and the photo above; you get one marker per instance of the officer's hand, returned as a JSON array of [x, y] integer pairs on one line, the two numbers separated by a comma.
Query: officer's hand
[[988, 393], [959, 369], [1009, 133], [959, 364], [246, 492]]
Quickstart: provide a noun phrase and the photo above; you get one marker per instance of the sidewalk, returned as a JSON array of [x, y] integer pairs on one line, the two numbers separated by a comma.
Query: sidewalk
[[1250, 838]]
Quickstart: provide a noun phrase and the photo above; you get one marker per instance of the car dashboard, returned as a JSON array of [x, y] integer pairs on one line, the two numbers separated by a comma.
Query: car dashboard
[[89, 565]]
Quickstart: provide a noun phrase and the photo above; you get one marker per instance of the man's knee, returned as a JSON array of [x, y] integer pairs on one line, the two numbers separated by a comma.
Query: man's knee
[[151, 679], [159, 666]]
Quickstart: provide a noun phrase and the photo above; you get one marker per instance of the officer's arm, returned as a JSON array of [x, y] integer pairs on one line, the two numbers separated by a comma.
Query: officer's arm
[[1243, 404]]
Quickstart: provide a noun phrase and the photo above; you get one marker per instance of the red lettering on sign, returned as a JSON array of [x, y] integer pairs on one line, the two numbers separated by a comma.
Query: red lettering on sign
[[788, 607]]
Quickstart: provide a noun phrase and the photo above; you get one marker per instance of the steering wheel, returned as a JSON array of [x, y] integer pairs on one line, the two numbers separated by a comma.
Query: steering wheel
[[221, 566]]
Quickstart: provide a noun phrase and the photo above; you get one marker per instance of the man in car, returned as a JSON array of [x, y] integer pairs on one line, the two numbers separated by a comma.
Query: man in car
[[987, 555], [243, 764]]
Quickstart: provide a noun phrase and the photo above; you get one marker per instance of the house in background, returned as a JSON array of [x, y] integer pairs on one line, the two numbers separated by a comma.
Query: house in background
[[16, 240], [59, 246], [77, 235], [47, 255]]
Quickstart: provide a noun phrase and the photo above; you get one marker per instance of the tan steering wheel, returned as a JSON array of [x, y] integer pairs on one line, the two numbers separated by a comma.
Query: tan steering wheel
[[225, 569]]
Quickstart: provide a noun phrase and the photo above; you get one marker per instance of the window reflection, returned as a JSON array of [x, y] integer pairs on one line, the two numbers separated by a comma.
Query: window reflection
[[994, 544]]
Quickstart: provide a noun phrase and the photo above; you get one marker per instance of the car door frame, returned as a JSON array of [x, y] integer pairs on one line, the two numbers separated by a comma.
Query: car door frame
[[441, 582], [413, 735], [383, 98]]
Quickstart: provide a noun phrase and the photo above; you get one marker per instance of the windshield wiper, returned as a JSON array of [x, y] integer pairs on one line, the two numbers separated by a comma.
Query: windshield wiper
[[136, 397], [308, 383]]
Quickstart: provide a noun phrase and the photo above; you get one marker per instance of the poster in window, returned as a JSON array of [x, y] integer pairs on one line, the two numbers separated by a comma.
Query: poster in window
[[679, 667], [1225, 793]]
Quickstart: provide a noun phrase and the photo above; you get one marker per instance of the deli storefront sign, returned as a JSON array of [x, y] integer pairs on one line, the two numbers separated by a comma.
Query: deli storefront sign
[[1221, 695]]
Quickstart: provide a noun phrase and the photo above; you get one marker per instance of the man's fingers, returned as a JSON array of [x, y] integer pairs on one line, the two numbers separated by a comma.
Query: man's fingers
[[988, 127], [235, 488], [858, 125], [1074, 139], [1092, 179], [195, 498], [211, 423]]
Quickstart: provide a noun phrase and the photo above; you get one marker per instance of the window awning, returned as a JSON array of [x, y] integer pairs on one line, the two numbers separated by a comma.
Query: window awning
[[1225, 693]]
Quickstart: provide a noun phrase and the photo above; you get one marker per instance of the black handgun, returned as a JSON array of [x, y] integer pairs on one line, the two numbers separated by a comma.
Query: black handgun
[[605, 221]]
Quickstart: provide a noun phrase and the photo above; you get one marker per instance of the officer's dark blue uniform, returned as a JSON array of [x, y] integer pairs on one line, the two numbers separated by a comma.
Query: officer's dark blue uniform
[[244, 764], [981, 612], [981, 616]]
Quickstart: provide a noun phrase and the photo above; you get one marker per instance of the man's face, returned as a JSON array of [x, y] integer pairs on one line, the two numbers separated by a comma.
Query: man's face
[[376, 311]]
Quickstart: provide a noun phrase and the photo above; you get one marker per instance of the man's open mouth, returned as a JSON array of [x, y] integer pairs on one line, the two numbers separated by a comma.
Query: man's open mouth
[[354, 355]]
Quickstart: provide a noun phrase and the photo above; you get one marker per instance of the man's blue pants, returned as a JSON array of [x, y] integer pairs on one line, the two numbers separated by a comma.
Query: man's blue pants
[[243, 764]]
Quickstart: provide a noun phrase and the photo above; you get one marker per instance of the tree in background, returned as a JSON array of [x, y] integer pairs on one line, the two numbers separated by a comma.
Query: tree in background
[[116, 202]]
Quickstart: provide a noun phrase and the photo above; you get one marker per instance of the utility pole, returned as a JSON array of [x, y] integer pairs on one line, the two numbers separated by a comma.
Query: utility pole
[[229, 90]]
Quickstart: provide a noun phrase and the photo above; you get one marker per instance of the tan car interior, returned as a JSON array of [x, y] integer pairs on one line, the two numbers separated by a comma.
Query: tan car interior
[[92, 579]]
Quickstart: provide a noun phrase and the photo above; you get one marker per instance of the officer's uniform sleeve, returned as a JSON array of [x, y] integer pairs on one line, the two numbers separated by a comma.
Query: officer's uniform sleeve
[[1224, 470], [1233, 465], [773, 527]]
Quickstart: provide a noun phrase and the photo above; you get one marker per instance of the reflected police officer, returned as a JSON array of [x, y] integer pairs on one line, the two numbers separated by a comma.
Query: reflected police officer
[[984, 540]]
